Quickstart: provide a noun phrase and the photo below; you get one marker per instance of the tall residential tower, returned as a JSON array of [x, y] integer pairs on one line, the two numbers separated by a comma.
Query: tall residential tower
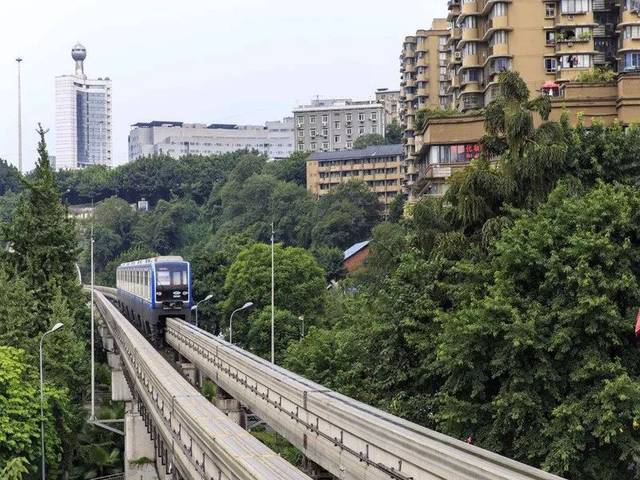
[[83, 117]]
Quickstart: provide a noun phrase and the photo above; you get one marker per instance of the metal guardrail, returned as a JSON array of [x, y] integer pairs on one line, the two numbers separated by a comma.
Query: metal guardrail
[[348, 438], [192, 438]]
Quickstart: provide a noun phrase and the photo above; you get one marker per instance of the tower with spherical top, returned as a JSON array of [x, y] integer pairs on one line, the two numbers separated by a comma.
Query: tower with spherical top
[[79, 53]]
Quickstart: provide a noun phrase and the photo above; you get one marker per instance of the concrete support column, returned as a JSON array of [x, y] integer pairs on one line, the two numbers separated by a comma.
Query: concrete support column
[[139, 450], [231, 407], [190, 371]]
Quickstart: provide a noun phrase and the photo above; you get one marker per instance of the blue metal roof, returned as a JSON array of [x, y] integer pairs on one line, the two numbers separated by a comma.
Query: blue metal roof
[[371, 151], [353, 249]]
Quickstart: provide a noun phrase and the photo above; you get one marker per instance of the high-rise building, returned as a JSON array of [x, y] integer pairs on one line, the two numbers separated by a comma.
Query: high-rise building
[[424, 81], [176, 139], [335, 124], [552, 44], [83, 117]]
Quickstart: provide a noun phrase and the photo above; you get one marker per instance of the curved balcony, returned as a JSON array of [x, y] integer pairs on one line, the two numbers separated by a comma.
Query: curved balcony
[[409, 68], [423, 62], [423, 92], [469, 34], [495, 24], [469, 8], [470, 61]]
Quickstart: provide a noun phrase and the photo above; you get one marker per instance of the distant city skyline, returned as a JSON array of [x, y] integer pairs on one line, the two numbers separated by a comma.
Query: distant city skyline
[[245, 63]]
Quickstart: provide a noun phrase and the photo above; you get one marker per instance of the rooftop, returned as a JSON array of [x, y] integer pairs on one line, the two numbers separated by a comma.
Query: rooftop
[[371, 151], [353, 249]]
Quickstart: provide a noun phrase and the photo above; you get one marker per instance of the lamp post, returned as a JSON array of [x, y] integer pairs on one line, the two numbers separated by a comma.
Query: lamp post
[[195, 307], [19, 62], [244, 307], [57, 326]]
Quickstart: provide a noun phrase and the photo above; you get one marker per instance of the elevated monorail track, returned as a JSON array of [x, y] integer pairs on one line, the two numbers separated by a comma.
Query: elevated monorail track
[[192, 438]]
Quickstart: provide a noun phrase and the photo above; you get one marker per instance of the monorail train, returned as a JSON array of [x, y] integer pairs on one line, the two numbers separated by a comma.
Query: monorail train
[[153, 289]]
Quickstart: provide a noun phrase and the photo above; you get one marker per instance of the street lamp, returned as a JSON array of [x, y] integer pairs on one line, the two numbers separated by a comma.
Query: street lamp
[[57, 326], [195, 307], [244, 307]]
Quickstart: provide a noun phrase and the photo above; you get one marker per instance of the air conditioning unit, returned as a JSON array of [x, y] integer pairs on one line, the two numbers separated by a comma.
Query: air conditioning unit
[[570, 17], [458, 55]]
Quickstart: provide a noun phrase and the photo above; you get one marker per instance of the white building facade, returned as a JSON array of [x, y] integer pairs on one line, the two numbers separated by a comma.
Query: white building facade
[[83, 118], [335, 124], [177, 139]]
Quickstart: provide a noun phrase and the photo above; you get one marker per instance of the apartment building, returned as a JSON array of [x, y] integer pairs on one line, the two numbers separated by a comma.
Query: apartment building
[[176, 139], [550, 43], [424, 81], [390, 100], [335, 124], [380, 166]]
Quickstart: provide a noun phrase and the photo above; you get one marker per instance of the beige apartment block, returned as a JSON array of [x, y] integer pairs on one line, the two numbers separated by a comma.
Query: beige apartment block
[[424, 81], [379, 166], [549, 42]]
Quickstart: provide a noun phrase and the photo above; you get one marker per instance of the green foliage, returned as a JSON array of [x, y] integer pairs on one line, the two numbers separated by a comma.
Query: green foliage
[[10, 178], [364, 141], [597, 75], [346, 215], [288, 328], [396, 209], [279, 445], [42, 239], [15, 469], [291, 169], [298, 277], [393, 133], [20, 414], [544, 377]]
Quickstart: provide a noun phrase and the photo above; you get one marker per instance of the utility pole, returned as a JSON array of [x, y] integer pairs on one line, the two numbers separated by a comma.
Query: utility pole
[[273, 303], [19, 61], [93, 360]]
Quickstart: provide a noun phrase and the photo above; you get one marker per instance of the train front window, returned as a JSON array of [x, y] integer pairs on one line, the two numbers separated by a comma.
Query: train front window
[[164, 278]]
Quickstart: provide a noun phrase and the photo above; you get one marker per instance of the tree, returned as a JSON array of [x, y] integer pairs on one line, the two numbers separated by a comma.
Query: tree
[[288, 328], [544, 367], [15, 469], [346, 215], [393, 133], [20, 415], [396, 209], [42, 238], [299, 282], [363, 141], [291, 169], [10, 178]]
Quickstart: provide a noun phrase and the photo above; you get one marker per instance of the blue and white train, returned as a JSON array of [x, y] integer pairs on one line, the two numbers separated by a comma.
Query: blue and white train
[[153, 289]]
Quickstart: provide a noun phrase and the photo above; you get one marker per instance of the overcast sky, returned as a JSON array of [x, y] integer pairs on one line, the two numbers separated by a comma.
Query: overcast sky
[[233, 61]]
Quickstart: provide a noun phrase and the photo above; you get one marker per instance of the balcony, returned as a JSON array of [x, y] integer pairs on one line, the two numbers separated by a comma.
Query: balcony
[[469, 8], [469, 34]]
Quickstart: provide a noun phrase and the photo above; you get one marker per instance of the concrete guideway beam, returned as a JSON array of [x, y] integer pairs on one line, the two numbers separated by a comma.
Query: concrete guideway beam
[[193, 439], [348, 438]]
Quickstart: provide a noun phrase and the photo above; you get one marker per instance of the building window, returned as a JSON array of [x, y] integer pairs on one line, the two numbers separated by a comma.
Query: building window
[[499, 10], [301, 134], [469, 48], [349, 130], [374, 129], [360, 130], [361, 117], [374, 116], [500, 37], [300, 121], [325, 145], [575, 61], [632, 31], [325, 119], [336, 139], [632, 61], [570, 7], [325, 132], [348, 117], [550, 65], [300, 146], [550, 37], [336, 124], [349, 144], [550, 10], [312, 132], [472, 75], [313, 146]]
